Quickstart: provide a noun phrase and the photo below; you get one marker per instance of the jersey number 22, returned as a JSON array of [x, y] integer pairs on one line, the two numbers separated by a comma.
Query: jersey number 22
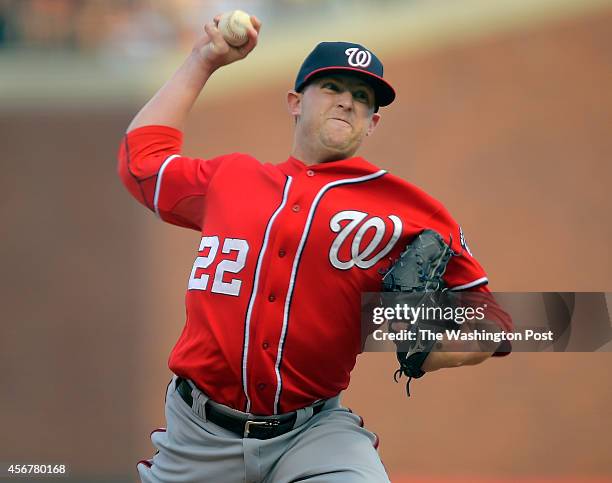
[[225, 265]]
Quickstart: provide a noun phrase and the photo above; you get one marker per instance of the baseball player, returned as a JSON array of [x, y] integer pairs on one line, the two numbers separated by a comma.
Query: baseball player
[[273, 296]]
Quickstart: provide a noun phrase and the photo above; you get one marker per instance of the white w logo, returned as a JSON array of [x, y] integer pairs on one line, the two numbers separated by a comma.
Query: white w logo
[[359, 257], [358, 58]]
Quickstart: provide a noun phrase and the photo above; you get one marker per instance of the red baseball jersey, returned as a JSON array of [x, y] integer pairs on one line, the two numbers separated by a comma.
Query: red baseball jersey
[[273, 297]]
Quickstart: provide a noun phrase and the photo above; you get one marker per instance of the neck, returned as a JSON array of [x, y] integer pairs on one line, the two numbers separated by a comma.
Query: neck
[[309, 154]]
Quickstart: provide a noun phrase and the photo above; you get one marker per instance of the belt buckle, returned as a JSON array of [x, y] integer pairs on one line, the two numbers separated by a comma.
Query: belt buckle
[[263, 424]]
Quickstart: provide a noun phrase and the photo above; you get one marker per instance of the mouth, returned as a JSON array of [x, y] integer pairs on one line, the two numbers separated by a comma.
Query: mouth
[[341, 120]]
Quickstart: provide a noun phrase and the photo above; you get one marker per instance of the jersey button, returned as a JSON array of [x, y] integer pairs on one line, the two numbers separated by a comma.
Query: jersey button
[[295, 208], [265, 345], [271, 298], [310, 173], [261, 386], [282, 253]]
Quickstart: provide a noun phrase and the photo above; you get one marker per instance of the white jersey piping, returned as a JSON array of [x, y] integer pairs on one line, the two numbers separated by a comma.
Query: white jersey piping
[[296, 262], [158, 183], [264, 246], [476, 282]]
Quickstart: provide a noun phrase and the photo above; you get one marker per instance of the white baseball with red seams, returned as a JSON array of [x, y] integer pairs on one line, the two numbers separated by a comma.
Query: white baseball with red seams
[[233, 26]]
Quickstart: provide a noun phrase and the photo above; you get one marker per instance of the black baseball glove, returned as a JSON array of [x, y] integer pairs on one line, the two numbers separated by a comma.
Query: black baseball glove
[[418, 274]]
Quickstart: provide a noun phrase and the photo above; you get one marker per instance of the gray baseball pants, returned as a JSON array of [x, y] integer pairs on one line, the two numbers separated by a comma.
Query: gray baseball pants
[[329, 447]]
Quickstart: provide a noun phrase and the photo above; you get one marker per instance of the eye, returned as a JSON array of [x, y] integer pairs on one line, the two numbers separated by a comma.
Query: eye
[[362, 96], [330, 85]]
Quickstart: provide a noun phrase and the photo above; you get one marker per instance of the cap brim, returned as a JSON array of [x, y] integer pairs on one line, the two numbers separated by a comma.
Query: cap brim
[[385, 94]]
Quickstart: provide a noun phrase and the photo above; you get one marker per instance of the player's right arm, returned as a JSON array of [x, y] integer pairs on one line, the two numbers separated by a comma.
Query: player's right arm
[[151, 165], [172, 103]]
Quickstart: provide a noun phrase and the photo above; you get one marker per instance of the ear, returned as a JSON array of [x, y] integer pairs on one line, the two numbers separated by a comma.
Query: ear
[[373, 123], [294, 103]]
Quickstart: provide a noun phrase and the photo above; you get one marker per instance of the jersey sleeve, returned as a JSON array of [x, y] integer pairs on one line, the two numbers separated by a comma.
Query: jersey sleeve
[[463, 271], [496, 314], [155, 172]]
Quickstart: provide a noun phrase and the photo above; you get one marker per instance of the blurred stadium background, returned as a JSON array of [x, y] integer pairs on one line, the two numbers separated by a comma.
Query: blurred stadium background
[[504, 113]]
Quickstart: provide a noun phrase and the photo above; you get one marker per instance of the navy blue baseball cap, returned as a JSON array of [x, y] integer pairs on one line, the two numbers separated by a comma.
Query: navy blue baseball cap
[[329, 57]]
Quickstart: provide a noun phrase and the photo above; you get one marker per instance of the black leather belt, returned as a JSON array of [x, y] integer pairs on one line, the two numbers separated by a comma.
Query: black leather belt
[[264, 427]]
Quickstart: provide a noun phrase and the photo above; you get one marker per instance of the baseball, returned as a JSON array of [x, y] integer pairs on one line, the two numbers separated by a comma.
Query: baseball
[[233, 26]]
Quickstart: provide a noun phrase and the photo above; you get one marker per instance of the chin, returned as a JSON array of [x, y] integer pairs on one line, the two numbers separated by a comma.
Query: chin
[[336, 154], [338, 146]]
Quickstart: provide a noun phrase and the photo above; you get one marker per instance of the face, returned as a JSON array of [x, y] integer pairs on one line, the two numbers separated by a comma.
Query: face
[[333, 115]]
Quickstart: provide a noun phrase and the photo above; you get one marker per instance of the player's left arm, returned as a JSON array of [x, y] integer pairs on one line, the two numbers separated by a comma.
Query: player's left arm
[[464, 273], [457, 353]]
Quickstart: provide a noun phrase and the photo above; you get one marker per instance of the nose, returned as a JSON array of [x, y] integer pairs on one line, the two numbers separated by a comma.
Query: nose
[[345, 100]]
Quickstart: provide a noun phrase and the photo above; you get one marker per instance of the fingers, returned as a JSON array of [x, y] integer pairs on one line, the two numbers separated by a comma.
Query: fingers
[[213, 32], [256, 23], [253, 35], [217, 51], [253, 32], [217, 42]]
